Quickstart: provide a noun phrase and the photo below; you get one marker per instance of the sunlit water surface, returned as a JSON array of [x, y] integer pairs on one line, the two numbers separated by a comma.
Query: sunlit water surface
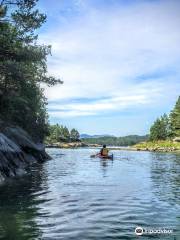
[[75, 197]]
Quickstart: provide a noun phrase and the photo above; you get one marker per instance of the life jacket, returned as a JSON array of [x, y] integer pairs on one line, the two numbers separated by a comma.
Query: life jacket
[[104, 152]]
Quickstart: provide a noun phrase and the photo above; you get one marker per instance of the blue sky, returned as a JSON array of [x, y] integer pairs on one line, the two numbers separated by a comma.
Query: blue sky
[[119, 61]]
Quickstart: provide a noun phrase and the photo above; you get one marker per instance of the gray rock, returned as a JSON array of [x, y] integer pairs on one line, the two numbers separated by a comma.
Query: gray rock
[[6, 145], [17, 151], [20, 137]]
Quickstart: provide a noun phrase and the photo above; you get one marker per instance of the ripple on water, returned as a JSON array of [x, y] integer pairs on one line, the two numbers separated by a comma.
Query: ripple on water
[[75, 197]]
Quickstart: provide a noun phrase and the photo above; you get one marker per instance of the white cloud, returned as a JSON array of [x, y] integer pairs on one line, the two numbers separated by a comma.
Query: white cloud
[[102, 53], [100, 106]]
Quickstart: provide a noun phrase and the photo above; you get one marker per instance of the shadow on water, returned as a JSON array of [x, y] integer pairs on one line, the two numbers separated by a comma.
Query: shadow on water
[[19, 205]]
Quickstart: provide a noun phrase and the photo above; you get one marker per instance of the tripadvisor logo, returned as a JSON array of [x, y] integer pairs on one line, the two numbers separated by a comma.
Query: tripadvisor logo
[[139, 231]]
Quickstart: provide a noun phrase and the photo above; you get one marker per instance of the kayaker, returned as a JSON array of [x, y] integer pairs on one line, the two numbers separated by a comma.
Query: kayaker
[[104, 151]]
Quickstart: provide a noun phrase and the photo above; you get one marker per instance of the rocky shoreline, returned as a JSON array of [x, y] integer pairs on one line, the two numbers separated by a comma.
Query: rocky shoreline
[[17, 151], [160, 146], [159, 149], [78, 144], [138, 147]]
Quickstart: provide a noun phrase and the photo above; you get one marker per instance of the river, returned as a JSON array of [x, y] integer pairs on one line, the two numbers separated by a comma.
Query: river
[[75, 197]]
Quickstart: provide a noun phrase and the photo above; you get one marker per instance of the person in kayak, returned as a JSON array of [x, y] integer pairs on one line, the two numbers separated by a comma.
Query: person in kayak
[[104, 151]]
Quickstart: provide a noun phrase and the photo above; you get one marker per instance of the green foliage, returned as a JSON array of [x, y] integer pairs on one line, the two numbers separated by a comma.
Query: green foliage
[[158, 145], [160, 130], [175, 119], [74, 135], [23, 68], [167, 127], [59, 133], [116, 141], [66, 134]]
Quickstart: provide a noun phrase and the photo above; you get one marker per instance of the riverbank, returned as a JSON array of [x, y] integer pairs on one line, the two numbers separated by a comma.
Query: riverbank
[[78, 144], [17, 151], [158, 146]]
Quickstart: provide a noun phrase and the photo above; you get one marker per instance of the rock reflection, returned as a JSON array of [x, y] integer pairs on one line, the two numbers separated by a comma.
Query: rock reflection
[[19, 206]]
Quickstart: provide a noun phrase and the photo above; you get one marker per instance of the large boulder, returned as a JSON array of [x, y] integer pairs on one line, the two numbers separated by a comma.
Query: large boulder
[[17, 151], [12, 158], [22, 139]]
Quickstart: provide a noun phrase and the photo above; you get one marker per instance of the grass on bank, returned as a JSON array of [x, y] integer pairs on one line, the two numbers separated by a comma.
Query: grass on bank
[[158, 144]]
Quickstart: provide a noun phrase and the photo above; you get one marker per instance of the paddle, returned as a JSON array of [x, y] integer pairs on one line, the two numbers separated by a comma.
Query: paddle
[[94, 155]]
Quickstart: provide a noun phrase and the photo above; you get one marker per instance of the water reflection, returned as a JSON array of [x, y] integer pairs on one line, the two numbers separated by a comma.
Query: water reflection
[[165, 175], [105, 163], [19, 206], [77, 197]]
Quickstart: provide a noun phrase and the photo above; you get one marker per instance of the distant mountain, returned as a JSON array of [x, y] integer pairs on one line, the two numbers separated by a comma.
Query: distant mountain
[[84, 135]]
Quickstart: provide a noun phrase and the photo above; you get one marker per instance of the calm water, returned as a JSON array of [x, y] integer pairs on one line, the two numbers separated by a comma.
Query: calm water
[[76, 197]]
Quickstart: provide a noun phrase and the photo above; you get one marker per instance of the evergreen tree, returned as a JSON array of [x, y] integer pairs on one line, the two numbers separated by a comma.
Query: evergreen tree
[[74, 134], [59, 133], [66, 134], [166, 126], [55, 132], [175, 119], [160, 129]]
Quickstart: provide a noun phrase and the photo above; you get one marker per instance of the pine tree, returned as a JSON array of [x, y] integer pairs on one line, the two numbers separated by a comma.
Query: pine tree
[[175, 119], [74, 134], [160, 129], [66, 134]]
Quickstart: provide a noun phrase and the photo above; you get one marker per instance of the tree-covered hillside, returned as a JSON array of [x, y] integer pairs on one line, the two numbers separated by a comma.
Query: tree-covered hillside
[[116, 141]]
